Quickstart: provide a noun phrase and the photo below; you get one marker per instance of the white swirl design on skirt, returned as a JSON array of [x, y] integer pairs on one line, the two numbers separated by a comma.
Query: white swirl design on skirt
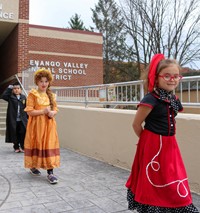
[[152, 163]]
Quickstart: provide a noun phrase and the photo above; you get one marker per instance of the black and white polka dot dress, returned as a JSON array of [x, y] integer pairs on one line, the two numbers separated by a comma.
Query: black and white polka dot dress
[[141, 208]]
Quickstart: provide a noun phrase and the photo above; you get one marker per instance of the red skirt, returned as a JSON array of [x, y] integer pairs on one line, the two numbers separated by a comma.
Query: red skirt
[[158, 175]]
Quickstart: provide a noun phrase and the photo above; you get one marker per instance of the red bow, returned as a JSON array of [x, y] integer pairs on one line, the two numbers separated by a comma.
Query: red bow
[[152, 70]]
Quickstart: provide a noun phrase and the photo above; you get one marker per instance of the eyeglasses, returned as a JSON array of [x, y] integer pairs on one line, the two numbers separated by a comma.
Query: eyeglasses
[[168, 77]]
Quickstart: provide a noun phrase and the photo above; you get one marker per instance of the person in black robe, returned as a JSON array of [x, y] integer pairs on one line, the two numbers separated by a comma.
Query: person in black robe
[[16, 118]]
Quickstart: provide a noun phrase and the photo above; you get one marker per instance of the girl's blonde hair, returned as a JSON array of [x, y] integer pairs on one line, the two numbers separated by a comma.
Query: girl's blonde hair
[[45, 73], [166, 63]]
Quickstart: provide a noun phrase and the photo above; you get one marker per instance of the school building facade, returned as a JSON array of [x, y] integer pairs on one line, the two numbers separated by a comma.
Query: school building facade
[[74, 57]]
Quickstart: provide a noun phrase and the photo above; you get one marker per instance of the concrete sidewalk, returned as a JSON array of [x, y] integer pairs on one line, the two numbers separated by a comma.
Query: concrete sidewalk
[[85, 186]]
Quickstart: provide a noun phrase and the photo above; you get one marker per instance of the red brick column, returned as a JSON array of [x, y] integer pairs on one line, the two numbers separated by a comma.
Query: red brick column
[[23, 35]]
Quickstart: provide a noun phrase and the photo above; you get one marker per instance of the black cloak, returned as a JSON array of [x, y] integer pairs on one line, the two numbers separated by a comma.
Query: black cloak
[[11, 116]]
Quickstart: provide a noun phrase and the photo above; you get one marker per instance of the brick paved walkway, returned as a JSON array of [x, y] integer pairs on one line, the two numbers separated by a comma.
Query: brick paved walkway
[[85, 186]]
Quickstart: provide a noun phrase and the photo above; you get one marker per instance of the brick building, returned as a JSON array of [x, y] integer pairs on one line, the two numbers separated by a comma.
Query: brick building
[[74, 57]]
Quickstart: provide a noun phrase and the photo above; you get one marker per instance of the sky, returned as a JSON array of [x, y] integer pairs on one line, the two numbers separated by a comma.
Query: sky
[[57, 13]]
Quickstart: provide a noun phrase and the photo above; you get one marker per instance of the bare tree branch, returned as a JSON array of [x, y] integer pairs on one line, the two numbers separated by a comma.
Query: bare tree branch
[[163, 26]]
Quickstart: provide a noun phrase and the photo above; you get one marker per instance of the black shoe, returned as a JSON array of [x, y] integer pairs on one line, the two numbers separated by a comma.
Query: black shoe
[[52, 179], [35, 172]]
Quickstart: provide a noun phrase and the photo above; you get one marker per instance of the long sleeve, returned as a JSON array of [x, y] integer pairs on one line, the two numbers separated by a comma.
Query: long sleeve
[[7, 93]]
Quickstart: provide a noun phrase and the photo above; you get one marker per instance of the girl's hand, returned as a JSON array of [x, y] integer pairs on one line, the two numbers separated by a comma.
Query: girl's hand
[[51, 114], [46, 110]]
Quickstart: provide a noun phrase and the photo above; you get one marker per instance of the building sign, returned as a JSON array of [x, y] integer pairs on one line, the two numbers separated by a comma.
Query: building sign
[[61, 70], [9, 10], [5, 15]]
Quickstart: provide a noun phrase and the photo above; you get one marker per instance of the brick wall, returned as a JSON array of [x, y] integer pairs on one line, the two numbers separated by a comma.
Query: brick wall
[[79, 62], [23, 35], [89, 76], [65, 46]]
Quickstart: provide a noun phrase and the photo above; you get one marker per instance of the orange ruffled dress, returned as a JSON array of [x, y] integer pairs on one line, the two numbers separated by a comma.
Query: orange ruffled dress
[[41, 143]]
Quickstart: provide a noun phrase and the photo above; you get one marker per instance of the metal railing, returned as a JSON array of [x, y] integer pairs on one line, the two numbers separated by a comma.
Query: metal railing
[[13, 79], [124, 93], [188, 91]]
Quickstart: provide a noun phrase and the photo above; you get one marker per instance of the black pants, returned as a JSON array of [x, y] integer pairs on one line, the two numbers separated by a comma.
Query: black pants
[[20, 134], [50, 171]]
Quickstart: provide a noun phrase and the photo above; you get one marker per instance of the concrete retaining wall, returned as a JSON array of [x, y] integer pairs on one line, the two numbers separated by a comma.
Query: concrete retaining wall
[[107, 135]]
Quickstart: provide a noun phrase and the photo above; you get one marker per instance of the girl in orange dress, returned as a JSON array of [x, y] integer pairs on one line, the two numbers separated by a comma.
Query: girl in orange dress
[[41, 141]]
